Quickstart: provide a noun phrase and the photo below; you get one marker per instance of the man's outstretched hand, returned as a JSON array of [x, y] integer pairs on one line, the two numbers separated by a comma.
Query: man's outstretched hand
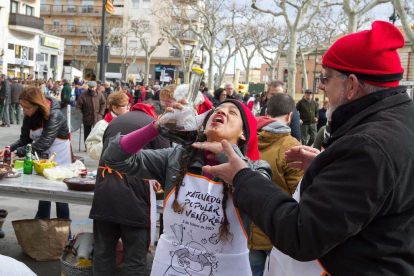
[[227, 171], [302, 156]]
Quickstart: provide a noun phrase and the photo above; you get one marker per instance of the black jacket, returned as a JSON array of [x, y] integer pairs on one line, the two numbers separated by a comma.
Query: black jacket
[[55, 127], [294, 122], [357, 197], [127, 200], [5, 92], [16, 90]]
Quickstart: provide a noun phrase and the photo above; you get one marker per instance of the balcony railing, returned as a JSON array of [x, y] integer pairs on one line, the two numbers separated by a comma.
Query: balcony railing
[[22, 20], [187, 35], [80, 50], [177, 53], [182, 13], [73, 10], [70, 30]]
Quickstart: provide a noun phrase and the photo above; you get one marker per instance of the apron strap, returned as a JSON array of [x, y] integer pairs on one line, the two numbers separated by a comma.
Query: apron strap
[[106, 168]]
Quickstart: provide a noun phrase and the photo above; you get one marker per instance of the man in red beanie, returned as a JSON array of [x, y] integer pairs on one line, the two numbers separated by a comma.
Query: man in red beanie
[[353, 212]]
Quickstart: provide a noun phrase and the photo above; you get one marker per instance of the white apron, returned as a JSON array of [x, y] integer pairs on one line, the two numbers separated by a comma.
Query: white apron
[[190, 244], [279, 264], [153, 213], [60, 146]]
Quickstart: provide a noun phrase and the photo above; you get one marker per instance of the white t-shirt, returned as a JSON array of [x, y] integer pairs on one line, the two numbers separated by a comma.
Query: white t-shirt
[[12, 267]]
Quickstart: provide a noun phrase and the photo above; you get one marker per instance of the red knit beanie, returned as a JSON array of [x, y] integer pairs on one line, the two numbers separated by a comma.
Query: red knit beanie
[[249, 127], [370, 55]]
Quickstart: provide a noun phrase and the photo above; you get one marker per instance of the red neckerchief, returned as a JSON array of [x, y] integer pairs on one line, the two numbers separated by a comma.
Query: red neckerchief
[[149, 109], [108, 117]]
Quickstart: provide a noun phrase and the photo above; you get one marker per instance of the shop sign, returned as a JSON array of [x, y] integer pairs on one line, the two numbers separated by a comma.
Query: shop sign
[[167, 68], [20, 61], [50, 42]]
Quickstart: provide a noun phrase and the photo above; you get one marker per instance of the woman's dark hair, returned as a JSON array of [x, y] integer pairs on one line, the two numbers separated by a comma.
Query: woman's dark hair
[[217, 93], [185, 162], [246, 97]]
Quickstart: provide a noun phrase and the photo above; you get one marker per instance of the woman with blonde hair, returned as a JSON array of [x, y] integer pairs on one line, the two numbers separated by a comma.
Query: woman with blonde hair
[[45, 127], [118, 104]]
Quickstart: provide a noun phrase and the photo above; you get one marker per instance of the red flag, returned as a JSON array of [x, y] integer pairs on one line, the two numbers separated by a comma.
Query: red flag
[[109, 7]]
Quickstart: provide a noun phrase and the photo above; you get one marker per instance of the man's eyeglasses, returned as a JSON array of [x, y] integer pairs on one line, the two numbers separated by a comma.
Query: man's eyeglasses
[[168, 101], [125, 106], [324, 78]]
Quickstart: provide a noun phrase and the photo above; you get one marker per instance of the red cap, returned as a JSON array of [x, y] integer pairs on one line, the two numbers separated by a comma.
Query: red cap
[[370, 55]]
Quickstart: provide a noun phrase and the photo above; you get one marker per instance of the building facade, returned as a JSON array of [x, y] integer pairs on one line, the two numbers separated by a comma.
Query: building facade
[[20, 28], [50, 57], [72, 20]]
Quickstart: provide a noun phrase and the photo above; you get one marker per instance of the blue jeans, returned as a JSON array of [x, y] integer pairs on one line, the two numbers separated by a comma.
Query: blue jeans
[[43, 211], [258, 260]]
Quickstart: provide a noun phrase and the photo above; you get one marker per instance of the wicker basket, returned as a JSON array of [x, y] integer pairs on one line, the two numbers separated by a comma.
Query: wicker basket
[[73, 270]]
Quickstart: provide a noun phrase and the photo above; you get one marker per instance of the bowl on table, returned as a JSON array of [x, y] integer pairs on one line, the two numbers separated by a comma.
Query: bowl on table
[[39, 166], [84, 184], [4, 170]]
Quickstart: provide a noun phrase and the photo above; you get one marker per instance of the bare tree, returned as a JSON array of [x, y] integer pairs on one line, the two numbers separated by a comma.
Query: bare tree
[[298, 14], [128, 53], [174, 21], [213, 17], [405, 10], [274, 46], [142, 30], [355, 9], [84, 54], [226, 51], [93, 32]]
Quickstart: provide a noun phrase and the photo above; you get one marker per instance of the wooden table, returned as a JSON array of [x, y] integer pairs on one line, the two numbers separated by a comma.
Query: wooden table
[[31, 186]]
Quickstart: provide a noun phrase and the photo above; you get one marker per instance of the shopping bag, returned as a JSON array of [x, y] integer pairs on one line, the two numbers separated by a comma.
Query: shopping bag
[[42, 239]]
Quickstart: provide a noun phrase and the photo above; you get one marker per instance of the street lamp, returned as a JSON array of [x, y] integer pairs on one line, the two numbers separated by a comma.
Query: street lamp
[[54, 73], [21, 70], [314, 72]]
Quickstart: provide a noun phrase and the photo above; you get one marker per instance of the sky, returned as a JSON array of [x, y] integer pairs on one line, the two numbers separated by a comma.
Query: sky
[[380, 12]]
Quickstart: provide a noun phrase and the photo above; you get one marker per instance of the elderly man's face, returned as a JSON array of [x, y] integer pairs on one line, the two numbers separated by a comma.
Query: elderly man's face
[[335, 90], [274, 90], [230, 89], [308, 96]]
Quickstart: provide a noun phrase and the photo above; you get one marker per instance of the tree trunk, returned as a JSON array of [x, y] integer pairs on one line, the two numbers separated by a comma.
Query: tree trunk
[[292, 64], [304, 73], [272, 73], [352, 22], [210, 83], [98, 71], [147, 68], [398, 5]]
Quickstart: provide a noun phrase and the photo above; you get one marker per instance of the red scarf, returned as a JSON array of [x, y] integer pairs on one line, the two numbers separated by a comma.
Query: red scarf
[[149, 109], [108, 117]]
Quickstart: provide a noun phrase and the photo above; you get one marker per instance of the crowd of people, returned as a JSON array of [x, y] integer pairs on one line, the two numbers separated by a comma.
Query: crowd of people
[[251, 196]]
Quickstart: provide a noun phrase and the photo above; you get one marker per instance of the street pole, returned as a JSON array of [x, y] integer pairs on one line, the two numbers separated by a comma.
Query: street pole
[[234, 77], [314, 73], [102, 68]]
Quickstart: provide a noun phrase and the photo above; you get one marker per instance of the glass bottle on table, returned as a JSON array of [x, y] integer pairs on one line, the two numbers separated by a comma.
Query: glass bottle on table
[[181, 125], [7, 156], [28, 160]]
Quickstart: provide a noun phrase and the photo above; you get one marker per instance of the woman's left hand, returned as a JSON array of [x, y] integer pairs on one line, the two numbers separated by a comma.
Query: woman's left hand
[[214, 147]]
